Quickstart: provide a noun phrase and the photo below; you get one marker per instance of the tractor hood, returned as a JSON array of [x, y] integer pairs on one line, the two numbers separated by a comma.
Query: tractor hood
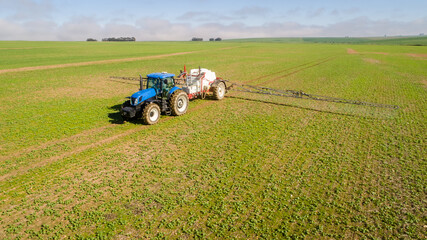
[[142, 95]]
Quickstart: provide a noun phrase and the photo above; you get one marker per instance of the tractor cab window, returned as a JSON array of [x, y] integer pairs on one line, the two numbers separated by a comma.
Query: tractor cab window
[[153, 83], [168, 84]]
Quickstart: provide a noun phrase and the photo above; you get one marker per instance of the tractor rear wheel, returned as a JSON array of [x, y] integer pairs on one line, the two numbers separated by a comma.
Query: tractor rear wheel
[[178, 103], [219, 91], [151, 114]]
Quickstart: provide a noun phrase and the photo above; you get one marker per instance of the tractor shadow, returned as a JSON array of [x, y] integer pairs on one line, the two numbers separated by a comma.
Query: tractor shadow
[[115, 117], [300, 107]]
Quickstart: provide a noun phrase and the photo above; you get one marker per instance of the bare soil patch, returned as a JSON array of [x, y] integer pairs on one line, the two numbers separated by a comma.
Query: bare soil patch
[[370, 60], [352, 51], [417, 55]]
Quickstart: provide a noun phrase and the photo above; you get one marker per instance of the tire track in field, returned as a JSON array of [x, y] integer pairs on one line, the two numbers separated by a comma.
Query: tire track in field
[[23, 69], [21, 152], [65, 65], [24, 48], [126, 133], [47, 144], [302, 66], [298, 68], [23, 170]]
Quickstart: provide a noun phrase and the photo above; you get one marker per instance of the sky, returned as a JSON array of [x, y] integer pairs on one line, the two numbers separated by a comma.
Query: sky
[[180, 20]]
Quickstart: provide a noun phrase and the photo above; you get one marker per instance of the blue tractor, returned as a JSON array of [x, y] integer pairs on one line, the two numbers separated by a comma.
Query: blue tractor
[[159, 96]]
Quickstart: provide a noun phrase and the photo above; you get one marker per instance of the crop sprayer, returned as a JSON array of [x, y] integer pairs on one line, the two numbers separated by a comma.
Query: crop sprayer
[[163, 93]]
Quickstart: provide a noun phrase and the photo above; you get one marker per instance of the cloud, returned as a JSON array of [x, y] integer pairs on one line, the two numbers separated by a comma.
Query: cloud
[[153, 29], [12, 31], [240, 30], [34, 20], [334, 12], [40, 30], [204, 16], [79, 28], [315, 13], [365, 27], [237, 15], [251, 12], [162, 30], [351, 11]]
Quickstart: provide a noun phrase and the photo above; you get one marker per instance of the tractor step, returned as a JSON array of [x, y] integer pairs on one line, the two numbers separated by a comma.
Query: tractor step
[[165, 108]]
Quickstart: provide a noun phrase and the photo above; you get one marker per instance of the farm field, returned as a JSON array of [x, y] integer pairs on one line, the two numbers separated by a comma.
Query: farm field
[[406, 40], [246, 167]]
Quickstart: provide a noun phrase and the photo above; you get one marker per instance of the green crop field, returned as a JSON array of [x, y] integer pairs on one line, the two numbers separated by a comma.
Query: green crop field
[[246, 167], [407, 41]]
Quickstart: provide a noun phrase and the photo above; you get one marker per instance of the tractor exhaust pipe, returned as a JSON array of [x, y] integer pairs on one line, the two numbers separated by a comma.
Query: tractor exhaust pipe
[[140, 82]]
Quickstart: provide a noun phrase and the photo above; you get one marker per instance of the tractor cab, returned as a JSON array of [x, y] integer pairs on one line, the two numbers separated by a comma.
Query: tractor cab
[[161, 82]]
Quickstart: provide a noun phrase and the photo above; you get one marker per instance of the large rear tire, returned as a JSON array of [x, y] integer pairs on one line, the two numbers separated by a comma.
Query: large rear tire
[[151, 114], [178, 103], [219, 91]]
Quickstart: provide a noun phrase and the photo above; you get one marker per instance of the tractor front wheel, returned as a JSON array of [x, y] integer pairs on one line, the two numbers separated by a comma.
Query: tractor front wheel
[[151, 114], [178, 103], [124, 105], [219, 91]]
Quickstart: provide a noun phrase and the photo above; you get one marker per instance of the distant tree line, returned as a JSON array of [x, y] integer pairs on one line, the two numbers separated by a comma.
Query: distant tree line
[[120, 39], [210, 39], [91, 40]]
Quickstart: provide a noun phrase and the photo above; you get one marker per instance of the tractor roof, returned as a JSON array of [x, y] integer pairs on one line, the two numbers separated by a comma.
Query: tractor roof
[[161, 75]]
